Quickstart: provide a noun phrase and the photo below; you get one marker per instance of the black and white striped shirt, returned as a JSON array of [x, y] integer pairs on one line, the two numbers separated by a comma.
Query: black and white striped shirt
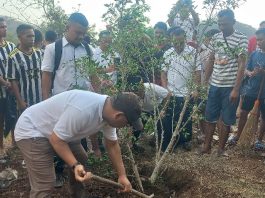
[[4, 51], [25, 69], [226, 58]]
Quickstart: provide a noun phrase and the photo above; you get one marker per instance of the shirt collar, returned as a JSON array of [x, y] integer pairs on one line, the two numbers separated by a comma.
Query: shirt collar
[[65, 42]]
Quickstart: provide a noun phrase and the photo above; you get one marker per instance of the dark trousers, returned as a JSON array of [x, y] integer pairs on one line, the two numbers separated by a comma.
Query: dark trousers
[[170, 120]]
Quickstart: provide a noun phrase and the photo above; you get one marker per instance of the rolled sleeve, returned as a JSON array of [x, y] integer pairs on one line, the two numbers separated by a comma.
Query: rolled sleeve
[[109, 133], [49, 58]]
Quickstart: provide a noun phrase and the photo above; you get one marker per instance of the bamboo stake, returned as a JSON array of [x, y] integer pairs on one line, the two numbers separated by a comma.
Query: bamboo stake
[[135, 169], [117, 185]]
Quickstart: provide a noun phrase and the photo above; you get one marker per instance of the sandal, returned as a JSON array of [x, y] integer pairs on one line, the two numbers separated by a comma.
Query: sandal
[[259, 146], [222, 153]]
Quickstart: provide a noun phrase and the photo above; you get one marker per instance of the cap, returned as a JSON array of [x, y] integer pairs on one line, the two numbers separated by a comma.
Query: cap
[[129, 104]]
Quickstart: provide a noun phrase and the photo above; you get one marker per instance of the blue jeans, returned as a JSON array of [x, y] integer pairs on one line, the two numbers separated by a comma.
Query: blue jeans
[[219, 106]]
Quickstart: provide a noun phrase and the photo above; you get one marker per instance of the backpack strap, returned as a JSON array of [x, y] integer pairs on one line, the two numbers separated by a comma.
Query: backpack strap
[[58, 55], [88, 50]]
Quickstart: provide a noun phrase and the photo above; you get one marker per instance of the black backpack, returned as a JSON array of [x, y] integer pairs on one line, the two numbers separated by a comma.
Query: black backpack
[[58, 55]]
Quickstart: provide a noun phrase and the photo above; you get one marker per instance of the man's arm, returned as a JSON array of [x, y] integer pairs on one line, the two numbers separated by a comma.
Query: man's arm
[[240, 74], [164, 79], [209, 68], [114, 152], [3, 82], [64, 151], [47, 69], [46, 83], [21, 103]]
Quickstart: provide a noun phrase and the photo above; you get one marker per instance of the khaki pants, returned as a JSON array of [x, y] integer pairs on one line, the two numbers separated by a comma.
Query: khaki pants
[[38, 155]]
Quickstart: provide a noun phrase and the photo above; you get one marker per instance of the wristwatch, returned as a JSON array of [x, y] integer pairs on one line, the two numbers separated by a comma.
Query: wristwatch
[[74, 165]]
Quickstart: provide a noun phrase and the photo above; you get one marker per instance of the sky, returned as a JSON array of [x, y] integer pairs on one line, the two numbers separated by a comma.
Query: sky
[[251, 12]]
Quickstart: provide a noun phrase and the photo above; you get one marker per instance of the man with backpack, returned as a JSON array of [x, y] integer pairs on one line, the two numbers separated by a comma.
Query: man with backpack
[[59, 71], [59, 68]]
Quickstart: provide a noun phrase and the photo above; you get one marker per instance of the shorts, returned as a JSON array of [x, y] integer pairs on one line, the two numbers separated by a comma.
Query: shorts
[[219, 106], [248, 104], [3, 106]]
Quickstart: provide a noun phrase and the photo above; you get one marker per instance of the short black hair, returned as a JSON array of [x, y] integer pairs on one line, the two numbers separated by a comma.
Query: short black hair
[[104, 33], [21, 28], [38, 36], [262, 23], [260, 31], [176, 31], [211, 32], [2, 19], [226, 13], [161, 25], [78, 18], [50, 36]]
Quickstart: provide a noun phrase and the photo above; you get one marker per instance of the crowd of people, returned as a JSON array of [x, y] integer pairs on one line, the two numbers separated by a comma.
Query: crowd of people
[[54, 107]]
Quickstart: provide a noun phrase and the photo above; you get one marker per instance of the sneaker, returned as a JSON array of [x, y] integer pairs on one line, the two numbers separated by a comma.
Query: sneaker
[[59, 180], [259, 146], [23, 163], [221, 153], [232, 140]]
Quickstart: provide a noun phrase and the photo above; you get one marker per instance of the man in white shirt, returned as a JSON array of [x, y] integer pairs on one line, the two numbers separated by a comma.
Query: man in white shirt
[[152, 97], [180, 72], [60, 70], [67, 76], [106, 59], [60, 122]]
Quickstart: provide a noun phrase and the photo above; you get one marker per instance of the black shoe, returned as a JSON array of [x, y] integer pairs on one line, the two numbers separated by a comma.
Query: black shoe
[[59, 180], [138, 149], [187, 146]]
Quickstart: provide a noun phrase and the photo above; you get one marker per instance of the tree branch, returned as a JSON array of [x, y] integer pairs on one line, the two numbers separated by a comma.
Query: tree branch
[[117, 185]]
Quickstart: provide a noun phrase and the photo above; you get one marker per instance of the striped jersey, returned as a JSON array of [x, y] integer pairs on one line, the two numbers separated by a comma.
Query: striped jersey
[[227, 50], [4, 51], [25, 68]]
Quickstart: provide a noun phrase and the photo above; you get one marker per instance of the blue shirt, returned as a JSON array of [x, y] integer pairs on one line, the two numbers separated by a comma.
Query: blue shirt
[[252, 87]]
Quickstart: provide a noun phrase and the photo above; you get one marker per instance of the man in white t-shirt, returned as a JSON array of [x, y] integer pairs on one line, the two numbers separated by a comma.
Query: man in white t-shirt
[[152, 97], [60, 122], [180, 74]]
